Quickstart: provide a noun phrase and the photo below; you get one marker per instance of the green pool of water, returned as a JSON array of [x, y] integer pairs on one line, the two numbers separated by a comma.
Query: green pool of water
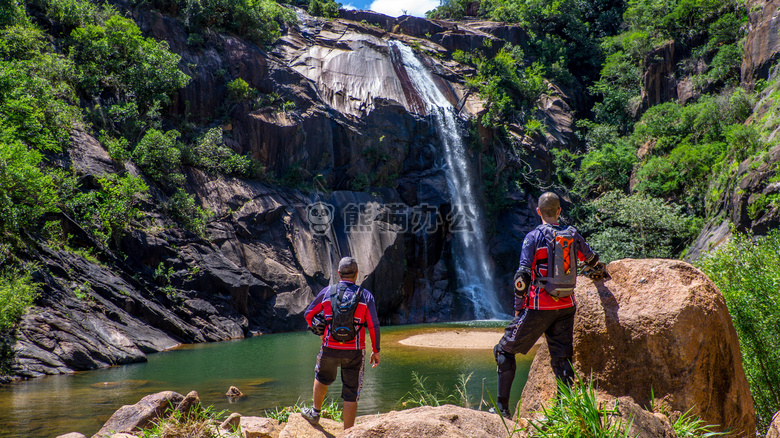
[[271, 370]]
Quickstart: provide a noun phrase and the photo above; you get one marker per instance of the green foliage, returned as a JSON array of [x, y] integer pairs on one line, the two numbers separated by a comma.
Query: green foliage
[[21, 42], [359, 183], [563, 34], [18, 292], [117, 59], [210, 153], [67, 15], [324, 8], [26, 191], [710, 29], [198, 422], [638, 226], [725, 65], [679, 19], [116, 204], [688, 425], [256, 20], [182, 208], [564, 167], [575, 413], [505, 84], [159, 156], [34, 92], [619, 87], [689, 144], [82, 291], [420, 395], [163, 279], [746, 272], [12, 12], [239, 89], [330, 409], [107, 211], [605, 169]]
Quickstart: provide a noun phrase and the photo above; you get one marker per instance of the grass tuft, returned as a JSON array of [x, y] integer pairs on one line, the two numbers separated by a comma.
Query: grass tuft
[[575, 412], [199, 423], [421, 395], [330, 409]]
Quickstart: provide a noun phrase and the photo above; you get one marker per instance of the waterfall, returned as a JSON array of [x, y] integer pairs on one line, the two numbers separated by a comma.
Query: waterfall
[[474, 273]]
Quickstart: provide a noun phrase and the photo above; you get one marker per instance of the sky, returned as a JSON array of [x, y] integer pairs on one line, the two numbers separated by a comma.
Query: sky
[[393, 7]]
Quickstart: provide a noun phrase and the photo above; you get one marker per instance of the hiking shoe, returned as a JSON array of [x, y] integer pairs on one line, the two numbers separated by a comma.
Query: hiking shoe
[[310, 415], [504, 413]]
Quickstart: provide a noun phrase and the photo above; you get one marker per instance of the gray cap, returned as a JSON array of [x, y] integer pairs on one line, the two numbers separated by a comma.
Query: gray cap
[[348, 266]]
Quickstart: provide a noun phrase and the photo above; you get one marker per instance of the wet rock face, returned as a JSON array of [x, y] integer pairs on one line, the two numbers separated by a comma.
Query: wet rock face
[[659, 83], [762, 45], [657, 325], [754, 176]]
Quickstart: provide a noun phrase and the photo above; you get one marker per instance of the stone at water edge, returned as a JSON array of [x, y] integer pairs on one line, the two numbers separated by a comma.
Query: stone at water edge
[[72, 435], [660, 325], [298, 427], [234, 392], [191, 405], [774, 427], [130, 418], [232, 422]]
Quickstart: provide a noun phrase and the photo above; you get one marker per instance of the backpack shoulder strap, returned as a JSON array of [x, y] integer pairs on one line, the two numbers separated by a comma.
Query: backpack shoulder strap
[[334, 299]]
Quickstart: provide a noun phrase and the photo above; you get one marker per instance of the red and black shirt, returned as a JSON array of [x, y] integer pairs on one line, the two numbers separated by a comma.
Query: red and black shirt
[[365, 316]]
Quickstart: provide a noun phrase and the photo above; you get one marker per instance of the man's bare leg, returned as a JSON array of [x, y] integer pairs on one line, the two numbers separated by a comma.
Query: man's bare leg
[[319, 392], [349, 413]]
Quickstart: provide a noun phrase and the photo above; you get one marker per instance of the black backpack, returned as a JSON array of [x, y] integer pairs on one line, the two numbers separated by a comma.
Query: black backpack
[[342, 326], [561, 261]]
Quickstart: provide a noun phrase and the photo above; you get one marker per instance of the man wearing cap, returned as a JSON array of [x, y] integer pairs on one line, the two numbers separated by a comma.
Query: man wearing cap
[[348, 355]]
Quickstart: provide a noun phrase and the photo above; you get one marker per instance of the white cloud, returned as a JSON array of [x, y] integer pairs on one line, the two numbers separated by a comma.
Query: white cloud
[[400, 7], [349, 7]]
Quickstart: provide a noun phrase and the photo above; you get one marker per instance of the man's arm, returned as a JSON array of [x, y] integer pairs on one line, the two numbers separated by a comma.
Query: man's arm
[[372, 322], [523, 276], [315, 307], [584, 252]]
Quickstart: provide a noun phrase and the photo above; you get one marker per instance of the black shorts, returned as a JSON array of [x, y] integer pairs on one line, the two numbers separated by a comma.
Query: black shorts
[[557, 326], [351, 363]]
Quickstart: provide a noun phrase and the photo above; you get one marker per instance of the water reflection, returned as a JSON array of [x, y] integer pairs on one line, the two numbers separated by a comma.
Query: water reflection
[[271, 370]]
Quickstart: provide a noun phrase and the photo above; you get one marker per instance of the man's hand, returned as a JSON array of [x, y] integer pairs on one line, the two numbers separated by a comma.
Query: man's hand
[[597, 272], [374, 359]]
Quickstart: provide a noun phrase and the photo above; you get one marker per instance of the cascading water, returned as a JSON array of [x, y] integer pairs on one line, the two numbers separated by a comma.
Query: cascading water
[[474, 274]]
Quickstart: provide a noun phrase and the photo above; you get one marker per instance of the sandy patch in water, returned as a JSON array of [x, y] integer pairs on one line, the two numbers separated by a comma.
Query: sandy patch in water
[[470, 339]]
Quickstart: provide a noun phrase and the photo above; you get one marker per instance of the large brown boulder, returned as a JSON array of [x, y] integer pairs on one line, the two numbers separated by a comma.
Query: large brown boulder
[[774, 427], [131, 418], [661, 327], [446, 421]]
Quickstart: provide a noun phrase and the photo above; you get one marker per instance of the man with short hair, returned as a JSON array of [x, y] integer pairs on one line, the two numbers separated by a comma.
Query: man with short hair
[[538, 312], [348, 355]]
